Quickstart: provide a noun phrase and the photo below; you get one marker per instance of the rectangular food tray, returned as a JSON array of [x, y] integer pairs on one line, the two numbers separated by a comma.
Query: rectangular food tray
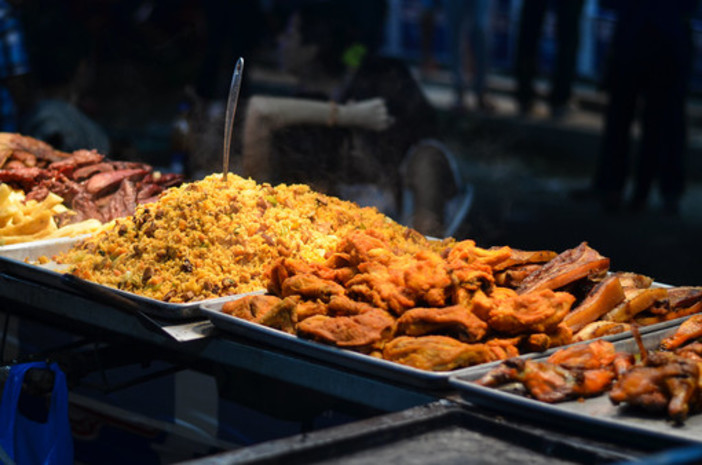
[[591, 413], [17, 260], [344, 358]]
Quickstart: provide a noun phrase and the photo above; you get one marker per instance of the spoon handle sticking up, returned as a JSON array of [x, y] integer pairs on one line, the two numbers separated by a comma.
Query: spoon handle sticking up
[[232, 101]]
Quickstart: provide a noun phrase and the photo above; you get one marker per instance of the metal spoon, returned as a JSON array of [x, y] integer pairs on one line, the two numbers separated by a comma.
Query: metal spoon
[[232, 101]]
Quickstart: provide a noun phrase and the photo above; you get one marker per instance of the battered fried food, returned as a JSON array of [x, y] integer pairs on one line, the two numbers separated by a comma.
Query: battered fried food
[[436, 353], [536, 312], [456, 321], [363, 332], [266, 310]]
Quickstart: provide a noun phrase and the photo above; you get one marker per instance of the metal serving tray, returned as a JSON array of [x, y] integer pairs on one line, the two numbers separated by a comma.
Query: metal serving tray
[[348, 359], [365, 363], [597, 412], [439, 432], [18, 260]]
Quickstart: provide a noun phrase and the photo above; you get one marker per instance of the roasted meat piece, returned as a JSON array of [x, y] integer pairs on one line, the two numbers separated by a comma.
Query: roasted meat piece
[[520, 258], [665, 383], [456, 321], [436, 353], [566, 268], [600, 328], [363, 332], [578, 371], [690, 329], [639, 301], [606, 295]]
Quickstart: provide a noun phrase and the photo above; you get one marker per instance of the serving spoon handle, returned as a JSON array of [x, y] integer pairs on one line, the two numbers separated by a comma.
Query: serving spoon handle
[[232, 101]]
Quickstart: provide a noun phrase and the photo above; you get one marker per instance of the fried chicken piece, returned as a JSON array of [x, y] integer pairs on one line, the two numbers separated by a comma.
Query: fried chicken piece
[[691, 351], [471, 276], [364, 246], [504, 348], [363, 332], [548, 382], [689, 329], [597, 354], [468, 252], [566, 268], [266, 310], [456, 321], [401, 282], [666, 382], [575, 371], [536, 312], [308, 308], [540, 342], [340, 305], [436, 353], [250, 306], [380, 286], [285, 268], [310, 286]]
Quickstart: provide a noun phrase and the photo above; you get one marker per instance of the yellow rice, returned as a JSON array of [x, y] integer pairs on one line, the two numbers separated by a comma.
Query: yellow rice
[[212, 238]]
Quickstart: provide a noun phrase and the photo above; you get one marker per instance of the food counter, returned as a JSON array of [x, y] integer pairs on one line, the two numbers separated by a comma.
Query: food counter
[[398, 411], [299, 303]]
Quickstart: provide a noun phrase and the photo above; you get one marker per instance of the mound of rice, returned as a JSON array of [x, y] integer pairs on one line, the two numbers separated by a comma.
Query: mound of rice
[[214, 238]]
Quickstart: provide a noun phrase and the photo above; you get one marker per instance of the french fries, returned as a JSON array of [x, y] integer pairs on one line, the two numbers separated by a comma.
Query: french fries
[[25, 221]]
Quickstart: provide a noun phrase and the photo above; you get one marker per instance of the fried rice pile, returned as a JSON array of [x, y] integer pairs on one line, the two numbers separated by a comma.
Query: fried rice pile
[[213, 238]]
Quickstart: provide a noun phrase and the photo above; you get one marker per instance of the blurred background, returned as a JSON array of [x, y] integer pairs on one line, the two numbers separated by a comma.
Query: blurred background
[[154, 75]]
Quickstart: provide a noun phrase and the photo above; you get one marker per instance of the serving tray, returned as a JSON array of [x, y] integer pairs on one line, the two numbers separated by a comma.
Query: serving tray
[[20, 261], [348, 359], [596, 412]]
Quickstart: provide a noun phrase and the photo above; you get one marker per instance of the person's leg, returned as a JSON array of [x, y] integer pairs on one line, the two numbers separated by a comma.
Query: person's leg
[[568, 35], [612, 168], [479, 17], [455, 21], [530, 25], [664, 135]]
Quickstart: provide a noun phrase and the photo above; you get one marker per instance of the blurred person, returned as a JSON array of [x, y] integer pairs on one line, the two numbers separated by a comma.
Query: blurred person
[[427, 26], [351, 124], [649, 70], [474, 16], [526, 63], [60, 54], [15, 95]]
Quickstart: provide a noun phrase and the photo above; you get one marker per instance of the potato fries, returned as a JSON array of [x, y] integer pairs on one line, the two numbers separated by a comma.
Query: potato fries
[[24, 221]]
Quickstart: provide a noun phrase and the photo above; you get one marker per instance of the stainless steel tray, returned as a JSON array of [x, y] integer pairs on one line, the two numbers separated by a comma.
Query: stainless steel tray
[[18, 261], [348, 359], [596, 412]]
